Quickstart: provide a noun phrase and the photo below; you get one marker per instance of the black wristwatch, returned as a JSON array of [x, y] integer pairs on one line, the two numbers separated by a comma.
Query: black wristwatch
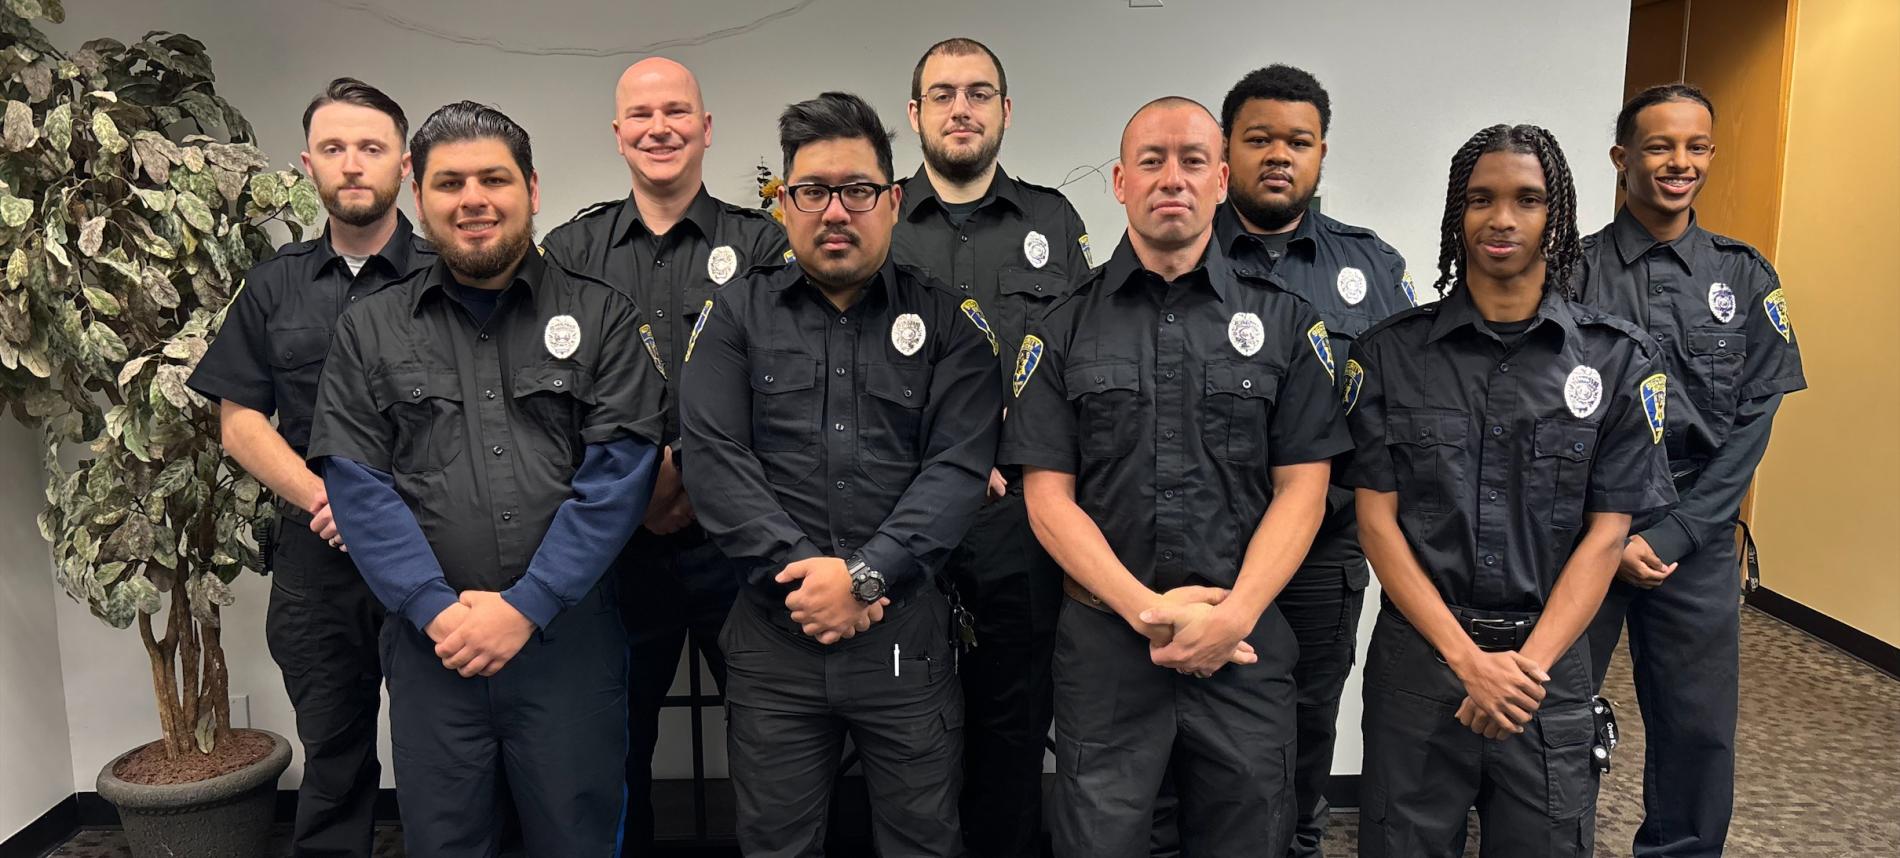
[[867, 584]]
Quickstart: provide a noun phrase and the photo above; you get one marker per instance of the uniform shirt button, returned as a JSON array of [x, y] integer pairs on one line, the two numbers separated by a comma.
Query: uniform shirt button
[[659, 314], [1497, 430], [1100, 380], [1168, 434], [1246, 384], [1170, 317], [964, 286], [416, 393], [839, 370], [659, 263], [1493, 495], [838, 426], [844, 320], [906, 393], [839, 485], [1490, 560], [1168, 494], [1721, 344], [1504, 367], [842, 543], [482, 337], [353, 298], [1167, 555], [489, 393], [768, 379], [963, 238], [497, 450], [1168, 374], [507, 516], [558, 382], [1578, 447]]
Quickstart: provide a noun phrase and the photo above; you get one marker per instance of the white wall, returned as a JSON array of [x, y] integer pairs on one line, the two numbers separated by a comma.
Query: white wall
[[35, 762], [1410, 81]]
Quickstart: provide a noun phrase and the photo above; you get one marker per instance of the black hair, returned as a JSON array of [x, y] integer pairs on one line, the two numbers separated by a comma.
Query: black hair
[[1660, 94], [349, 90], [956, 47], [467, 120], [1277, 83], [833, 116], [1561, 245]]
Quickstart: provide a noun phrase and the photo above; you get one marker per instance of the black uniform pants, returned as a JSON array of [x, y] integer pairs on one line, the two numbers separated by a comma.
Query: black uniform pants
[[554, 720], [1685, 651], [790, 703], [321, 629], [1535, 792], [670, 587], [1122, 724], [1014, 590]]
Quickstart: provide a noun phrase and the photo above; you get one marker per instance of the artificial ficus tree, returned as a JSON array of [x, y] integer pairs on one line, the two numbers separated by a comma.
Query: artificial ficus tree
[[132, 201]]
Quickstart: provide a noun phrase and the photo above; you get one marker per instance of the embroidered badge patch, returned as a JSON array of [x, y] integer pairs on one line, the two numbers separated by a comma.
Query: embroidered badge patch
[[975, 314], [1355, 380], [653, 348], [1027, 359], [699, 324], [1322, 346], [1411, 288], [1655, 392], [1777, 306]]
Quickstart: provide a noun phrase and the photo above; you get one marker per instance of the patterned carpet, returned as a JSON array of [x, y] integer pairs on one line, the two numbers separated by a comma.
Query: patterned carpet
[[1818, 769]]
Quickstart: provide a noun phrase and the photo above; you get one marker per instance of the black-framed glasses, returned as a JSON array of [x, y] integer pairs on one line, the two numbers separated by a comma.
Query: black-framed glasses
[[980, 96], [815, 197]]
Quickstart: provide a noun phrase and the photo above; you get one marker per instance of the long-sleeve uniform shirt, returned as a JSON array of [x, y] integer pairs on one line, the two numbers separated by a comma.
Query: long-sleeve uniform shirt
[[1170, 403], [670, 277], [815, 431], [1716, 308], [1353, 279], [269, 353], [516, 449], [1497, 445]]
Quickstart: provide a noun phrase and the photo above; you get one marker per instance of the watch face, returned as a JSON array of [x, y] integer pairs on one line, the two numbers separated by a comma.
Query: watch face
[[867, 586]]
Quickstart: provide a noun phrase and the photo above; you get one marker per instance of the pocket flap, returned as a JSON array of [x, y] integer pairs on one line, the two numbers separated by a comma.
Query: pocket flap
[[1426, 427], [1238, 378], [300, 347], [1101, 377], [782, 372], [554, 378], [1716, 343], [1031, 284], [413, 384], [1569, 726], [899, 385], [1575, 440]]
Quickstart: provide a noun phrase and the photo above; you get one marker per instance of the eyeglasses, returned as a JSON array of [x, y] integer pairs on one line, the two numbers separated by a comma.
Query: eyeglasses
[[813, 197], [944, 96]]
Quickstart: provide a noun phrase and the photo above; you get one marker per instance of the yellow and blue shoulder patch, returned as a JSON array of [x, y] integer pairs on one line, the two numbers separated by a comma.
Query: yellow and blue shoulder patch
[[975, 314], [653, 347], [1088, 258], [1655, 393], [1355, 381], [1411, 288], [1322, 346], [1776, 305], [699, 324], [1027, 359], [789, 256]]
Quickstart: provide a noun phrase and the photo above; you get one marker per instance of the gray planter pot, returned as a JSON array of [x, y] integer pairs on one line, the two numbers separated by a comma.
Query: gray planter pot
[[228, 816]]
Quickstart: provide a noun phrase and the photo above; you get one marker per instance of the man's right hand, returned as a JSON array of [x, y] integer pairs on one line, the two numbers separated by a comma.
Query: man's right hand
[[669, 510], [323, 523], [1506, 687], [446, 622], [1640, 567]]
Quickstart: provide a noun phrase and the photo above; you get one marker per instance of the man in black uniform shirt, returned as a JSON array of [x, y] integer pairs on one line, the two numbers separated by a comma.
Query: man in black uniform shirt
[[1175, 422], [1276, 120], [843, 411], [1013, 248], [667, 246], [488, 430], [1717, 309], [1505, 436], [322, 622]]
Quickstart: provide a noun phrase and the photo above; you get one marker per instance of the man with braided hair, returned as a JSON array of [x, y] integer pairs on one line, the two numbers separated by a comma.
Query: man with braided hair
[[1716, 307], [1504, 438]]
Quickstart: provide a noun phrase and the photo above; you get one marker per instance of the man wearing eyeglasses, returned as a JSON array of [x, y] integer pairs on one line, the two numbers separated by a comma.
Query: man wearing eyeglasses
[[843, 412], [1013, 248]]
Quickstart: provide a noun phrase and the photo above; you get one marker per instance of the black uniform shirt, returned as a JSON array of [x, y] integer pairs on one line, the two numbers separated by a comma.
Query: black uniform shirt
[[671, 277], [1170, 403], [1020, 249], [483, 426], [1354, 280], [269, 354], [1497, 451], [816, 432]]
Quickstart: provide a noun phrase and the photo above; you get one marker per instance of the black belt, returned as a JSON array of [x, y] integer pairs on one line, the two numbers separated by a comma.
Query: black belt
[[1493, 634]]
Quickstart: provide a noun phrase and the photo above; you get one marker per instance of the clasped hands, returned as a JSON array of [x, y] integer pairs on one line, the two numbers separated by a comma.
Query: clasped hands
[[1503, 690], [823, 605], [479, 634], [1195, 631]]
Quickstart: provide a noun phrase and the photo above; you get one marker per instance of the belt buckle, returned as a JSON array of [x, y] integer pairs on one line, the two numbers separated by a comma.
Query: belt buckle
[[1494, 635]]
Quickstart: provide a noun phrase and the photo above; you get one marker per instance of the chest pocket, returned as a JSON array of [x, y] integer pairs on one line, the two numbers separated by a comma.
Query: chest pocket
[[555, 400], [1560, 473], [1022, 297], [1715, 364], [1235, 409], [425, 406], [891, 417], [1106, 396], [1428, 447], [785, 404], [296, 362]]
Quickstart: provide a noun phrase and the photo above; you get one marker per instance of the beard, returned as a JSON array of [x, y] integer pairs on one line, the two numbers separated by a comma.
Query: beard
[[358, 214], [960, 167], [1271, 214], [485, 262]]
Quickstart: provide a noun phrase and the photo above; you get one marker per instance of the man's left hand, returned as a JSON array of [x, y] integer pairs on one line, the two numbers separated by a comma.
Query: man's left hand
[[823, 604], [491, 634]]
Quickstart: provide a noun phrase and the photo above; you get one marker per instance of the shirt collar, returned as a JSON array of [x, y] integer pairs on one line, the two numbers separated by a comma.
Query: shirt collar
[[1234, 237], [530, 274], [1457, 311], [397, 252], [1213, 270], [702, 213], [1633, 239], [918, 191], [794, 275]]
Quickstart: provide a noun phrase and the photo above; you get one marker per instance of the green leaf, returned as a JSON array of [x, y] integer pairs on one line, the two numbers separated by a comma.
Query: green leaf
[[28, 9], [173, 478], [16, 267], [267, 192], [107, 133], [102, 301], [58, 251], [142, 593], [126, 374], [58, 127], [92, 233], [159, 288], [14, 211], [171, 385], [156, 200], [18, 132], [194, 210], [105, 342], [304, 204]]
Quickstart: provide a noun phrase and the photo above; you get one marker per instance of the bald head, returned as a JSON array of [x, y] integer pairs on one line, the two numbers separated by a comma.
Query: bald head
[[1171, 177], [661, 126], [1174, 113]]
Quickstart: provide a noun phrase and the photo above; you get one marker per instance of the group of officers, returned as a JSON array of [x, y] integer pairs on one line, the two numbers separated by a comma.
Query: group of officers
[[913, 469]]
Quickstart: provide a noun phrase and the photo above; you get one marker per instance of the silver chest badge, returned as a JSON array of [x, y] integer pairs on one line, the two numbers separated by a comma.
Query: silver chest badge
[[907, 334], [1722, 302], [1583, 391], [1246, 333], [1352, 285], [722, 264], [1036, 249], [562, 337]]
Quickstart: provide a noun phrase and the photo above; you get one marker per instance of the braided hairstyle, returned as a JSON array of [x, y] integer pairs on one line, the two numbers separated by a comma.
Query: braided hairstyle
[[1562, 246]]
